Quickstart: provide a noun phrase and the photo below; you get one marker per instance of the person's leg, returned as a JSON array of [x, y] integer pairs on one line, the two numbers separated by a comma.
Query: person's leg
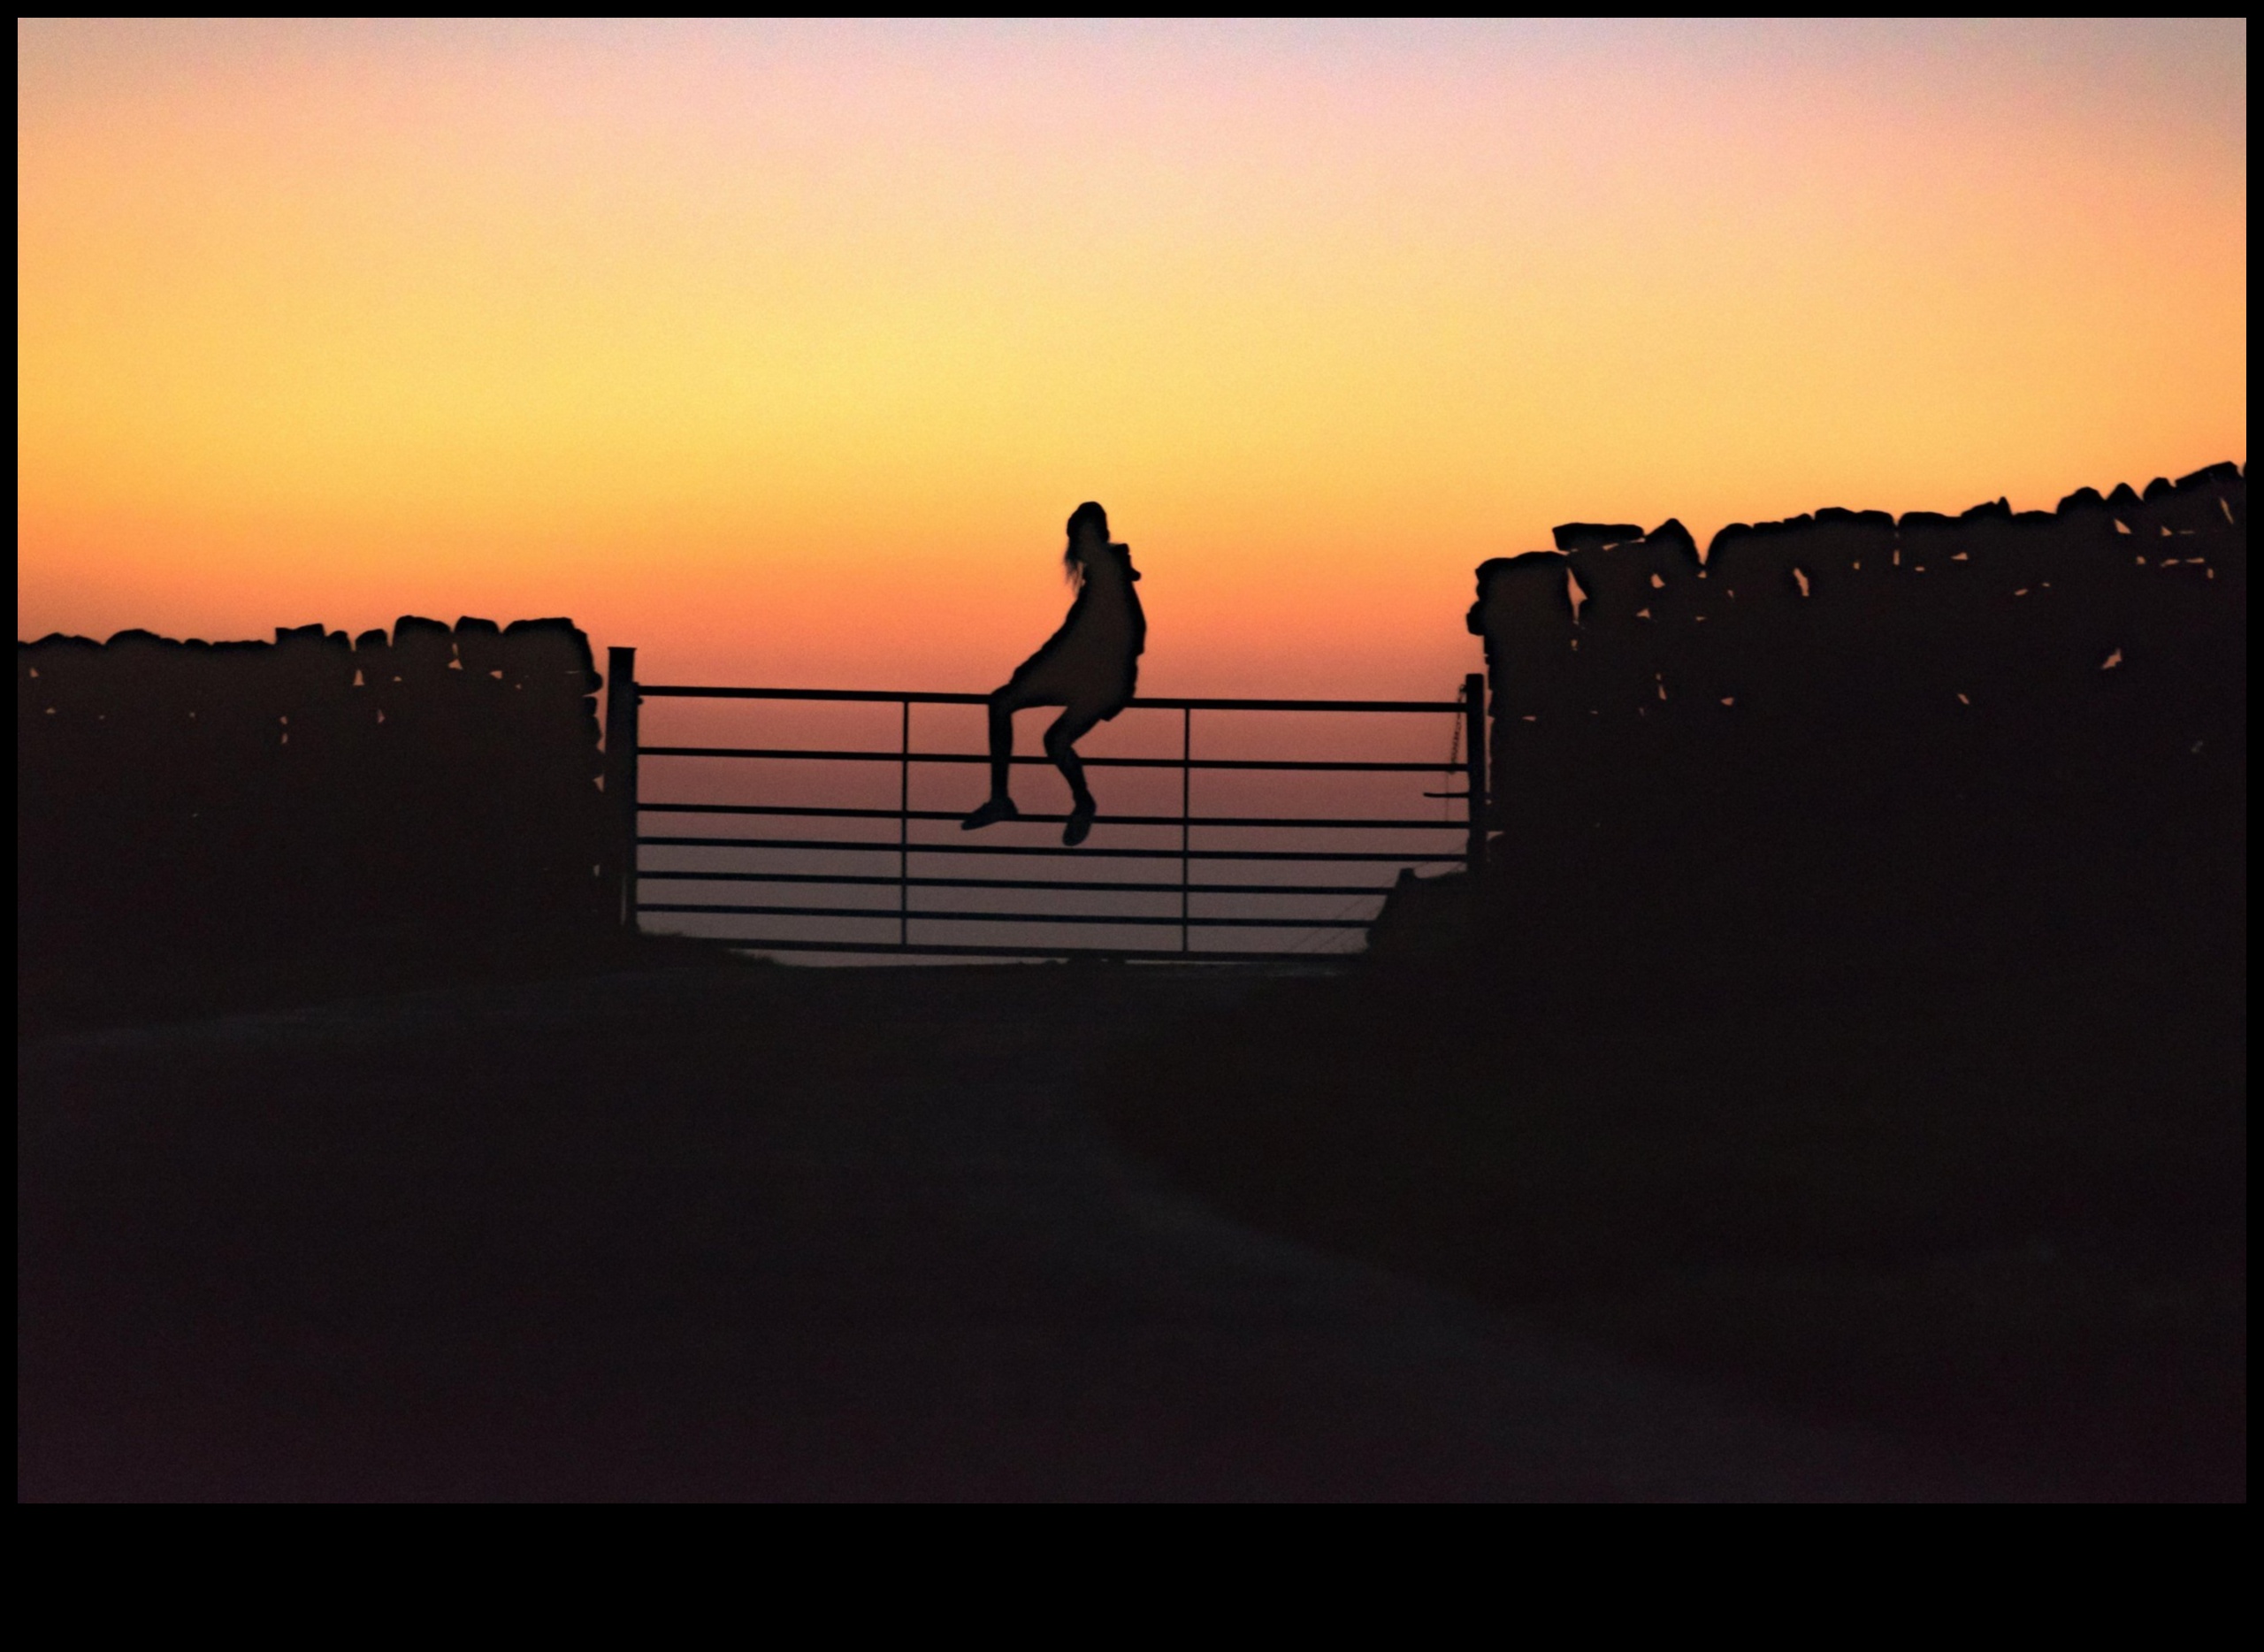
[[1000, 804], [1002, 745], [1061, 746]]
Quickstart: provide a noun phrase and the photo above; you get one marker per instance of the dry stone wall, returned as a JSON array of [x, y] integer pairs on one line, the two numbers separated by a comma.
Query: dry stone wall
[[1849, 700], [307, 788]]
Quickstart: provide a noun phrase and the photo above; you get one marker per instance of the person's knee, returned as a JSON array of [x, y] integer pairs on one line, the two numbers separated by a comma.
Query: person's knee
[[1062, 740]]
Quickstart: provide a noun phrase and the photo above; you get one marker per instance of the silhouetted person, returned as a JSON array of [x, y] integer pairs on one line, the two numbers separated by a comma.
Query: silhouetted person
[[1089, 668]]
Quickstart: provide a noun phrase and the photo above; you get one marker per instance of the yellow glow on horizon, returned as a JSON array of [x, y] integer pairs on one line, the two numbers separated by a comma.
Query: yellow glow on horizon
[[787, 350]]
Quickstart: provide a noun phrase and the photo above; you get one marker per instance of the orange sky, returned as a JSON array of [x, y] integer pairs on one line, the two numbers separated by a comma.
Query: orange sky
[[781, 352]]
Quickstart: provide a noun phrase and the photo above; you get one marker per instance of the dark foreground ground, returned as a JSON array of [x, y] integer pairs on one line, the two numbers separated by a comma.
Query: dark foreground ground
[[1997, 1212], [711, 1231]]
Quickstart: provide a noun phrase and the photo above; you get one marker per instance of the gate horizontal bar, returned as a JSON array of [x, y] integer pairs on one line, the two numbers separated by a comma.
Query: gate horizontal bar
[[678, 690], [1384, 856], [962, 949], [1332, 823], [892, 915], [1348, 890], [807, 754]]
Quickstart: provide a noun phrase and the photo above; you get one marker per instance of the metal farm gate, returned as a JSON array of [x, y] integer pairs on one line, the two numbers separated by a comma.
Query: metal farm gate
[[1466, 845]]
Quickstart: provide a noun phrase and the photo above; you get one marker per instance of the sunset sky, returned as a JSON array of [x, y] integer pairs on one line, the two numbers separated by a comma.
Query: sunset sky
[[782, 351]]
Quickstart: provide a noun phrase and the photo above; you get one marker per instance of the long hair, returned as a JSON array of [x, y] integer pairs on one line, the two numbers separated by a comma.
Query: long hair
[[1087, 515]]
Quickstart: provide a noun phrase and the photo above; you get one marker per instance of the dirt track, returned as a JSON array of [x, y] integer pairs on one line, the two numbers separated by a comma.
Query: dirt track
[[771, 1234]]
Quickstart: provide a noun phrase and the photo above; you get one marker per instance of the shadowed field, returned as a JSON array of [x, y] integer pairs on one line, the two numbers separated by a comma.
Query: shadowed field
[[719, 1231], [1991, 1201]]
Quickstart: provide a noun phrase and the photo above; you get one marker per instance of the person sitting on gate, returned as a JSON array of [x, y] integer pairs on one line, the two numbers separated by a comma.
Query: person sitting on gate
[[1089, 668]]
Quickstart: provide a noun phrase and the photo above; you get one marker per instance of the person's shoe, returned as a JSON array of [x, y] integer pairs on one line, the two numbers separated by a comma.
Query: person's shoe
[[990, 813], [1081, 823]]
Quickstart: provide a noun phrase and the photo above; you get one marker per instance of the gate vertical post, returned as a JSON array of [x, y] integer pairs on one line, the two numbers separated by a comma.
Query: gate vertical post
[[904, 829], [1473, 713], [1186, 793], [621, 770]]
